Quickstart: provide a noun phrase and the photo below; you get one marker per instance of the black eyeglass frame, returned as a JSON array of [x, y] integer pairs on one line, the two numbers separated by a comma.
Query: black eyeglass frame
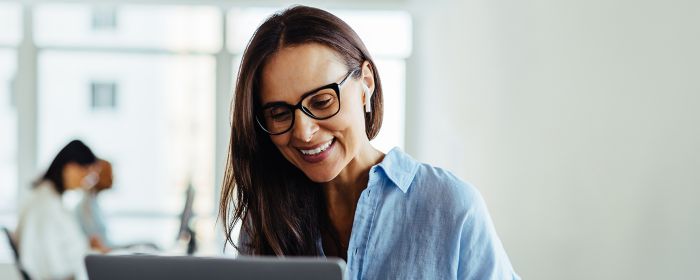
[[334, 86]]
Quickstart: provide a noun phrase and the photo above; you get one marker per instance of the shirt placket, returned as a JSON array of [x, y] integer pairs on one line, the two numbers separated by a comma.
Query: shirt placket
[[362, 225]]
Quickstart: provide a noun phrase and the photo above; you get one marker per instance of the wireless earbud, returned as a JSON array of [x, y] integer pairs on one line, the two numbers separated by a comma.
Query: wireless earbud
[[368, 97]]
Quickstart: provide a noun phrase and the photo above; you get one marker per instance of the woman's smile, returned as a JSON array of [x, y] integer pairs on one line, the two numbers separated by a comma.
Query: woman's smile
[[317, 153]]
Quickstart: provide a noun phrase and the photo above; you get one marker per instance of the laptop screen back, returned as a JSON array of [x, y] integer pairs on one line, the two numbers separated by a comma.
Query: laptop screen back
[[135, 267]]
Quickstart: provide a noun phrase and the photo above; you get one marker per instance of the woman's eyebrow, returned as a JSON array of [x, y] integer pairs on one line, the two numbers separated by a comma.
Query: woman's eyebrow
[[273, 104], [282, 103], [315, 90]]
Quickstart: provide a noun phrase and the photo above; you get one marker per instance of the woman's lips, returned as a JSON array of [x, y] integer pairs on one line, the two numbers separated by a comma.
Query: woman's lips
[[311, 157]]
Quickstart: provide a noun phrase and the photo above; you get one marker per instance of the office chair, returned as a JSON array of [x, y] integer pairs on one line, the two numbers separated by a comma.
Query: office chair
[[15, 252]]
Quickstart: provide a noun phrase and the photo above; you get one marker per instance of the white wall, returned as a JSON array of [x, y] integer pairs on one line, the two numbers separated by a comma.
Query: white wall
[[577, 120]]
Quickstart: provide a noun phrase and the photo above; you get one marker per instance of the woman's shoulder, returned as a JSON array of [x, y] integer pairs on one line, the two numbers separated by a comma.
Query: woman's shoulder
[[42, 201], [429, 183], [44, 191], [440, 184]]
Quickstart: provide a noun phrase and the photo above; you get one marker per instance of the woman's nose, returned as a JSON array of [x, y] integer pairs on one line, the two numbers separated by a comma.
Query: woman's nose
[[304, 127]]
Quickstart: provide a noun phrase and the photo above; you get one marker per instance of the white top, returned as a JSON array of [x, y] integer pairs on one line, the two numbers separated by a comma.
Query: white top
[[51, 243]]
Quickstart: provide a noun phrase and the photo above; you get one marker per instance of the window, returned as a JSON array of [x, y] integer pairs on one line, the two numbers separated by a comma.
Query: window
[[144, 103], [104, 18], [137, 27], [8, 137], [10, 35], [10, 24], [103, 95]]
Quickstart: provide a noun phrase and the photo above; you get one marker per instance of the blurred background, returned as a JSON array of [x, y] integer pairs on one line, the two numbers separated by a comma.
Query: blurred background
[[577, 120]]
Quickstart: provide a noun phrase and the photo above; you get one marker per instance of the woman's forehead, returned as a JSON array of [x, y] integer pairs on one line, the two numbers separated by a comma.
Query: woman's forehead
[[295, 70]]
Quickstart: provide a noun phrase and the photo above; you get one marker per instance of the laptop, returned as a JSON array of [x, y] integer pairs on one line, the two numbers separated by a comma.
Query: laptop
[[136, 267]]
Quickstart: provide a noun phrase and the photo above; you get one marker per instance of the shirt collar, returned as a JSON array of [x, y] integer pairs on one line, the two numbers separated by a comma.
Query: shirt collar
[[399, 167]]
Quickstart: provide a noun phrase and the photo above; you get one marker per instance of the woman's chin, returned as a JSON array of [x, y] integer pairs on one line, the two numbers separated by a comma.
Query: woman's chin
[[321, 173], [324, 170], [320, 177]]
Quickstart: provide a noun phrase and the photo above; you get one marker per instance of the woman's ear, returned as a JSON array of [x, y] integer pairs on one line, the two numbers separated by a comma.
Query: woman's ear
[[367, 84]]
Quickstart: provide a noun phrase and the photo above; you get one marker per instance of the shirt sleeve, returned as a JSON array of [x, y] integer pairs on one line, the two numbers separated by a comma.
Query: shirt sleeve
[[84, 214], [482, 255]]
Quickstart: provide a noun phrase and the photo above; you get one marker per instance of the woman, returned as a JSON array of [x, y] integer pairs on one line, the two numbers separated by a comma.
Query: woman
[[308, 181], [50, 241]]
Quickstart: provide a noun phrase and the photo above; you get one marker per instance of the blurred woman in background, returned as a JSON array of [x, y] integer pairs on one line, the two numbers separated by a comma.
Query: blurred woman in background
[[50, 242]]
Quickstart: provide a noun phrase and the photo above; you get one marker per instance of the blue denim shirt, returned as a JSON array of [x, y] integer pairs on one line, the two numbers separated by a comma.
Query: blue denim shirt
[[415, 221]]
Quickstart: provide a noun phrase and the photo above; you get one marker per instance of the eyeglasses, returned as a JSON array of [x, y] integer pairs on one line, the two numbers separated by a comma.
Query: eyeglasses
[[320, 104]]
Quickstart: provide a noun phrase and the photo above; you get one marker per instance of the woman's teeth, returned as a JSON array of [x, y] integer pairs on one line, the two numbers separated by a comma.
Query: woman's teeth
[[317, 150]]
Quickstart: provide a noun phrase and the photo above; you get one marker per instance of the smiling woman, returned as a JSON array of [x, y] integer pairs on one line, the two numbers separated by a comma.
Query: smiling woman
[[340, 132], [304, 179]]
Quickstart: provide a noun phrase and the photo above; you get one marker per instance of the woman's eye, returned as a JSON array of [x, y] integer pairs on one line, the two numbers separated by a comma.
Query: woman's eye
[[279, 115], [322, 102]]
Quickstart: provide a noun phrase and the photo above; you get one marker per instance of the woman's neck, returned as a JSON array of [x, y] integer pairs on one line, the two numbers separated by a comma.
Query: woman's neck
[[352, 180], [343, 192]]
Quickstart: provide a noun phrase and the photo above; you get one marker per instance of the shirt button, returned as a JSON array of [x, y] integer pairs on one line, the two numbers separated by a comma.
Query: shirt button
[[355, 251]]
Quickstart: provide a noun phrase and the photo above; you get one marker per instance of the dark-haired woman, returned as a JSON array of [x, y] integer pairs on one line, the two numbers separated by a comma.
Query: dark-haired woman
[[51, 243], [303, 179]]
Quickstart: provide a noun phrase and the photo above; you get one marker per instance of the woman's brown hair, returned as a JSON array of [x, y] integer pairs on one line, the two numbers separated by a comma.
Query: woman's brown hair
[[281, 211]]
